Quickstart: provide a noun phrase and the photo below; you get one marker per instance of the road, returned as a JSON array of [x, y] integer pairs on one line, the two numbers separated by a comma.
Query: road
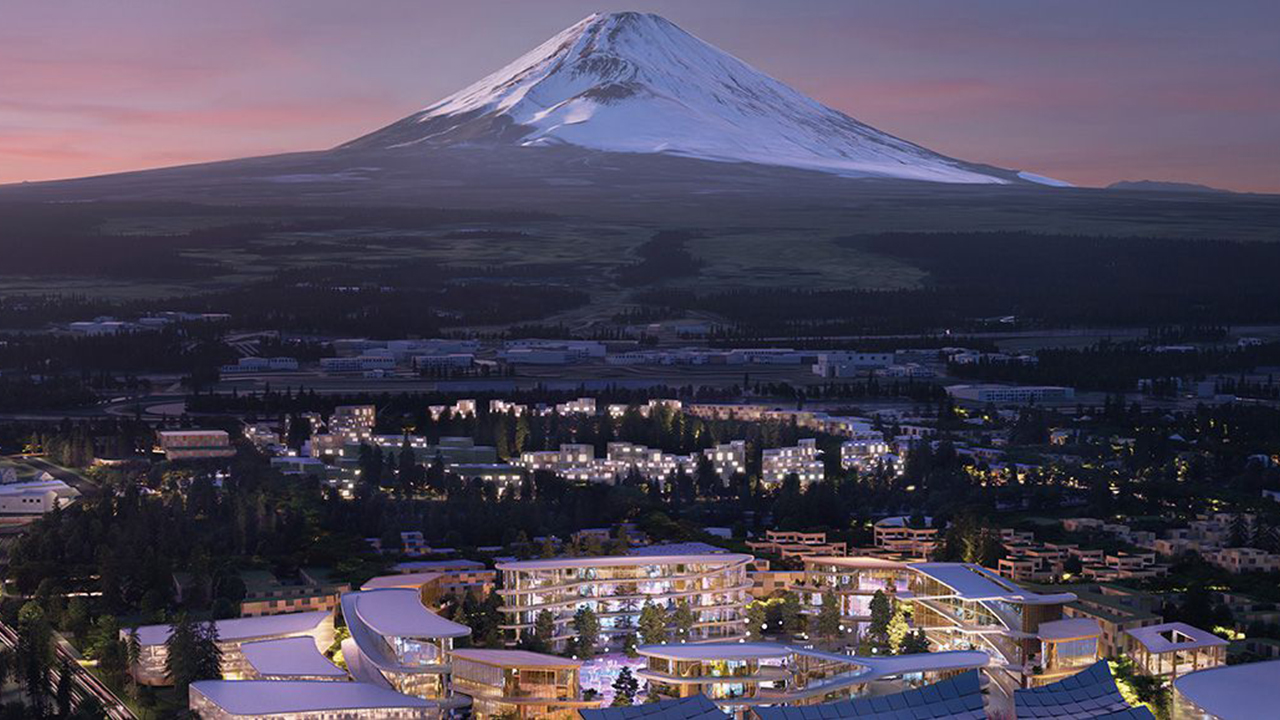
[[86, 683], [84, 485]]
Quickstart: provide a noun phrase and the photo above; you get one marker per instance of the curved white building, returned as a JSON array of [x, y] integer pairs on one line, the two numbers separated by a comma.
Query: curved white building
[[398, 643], [304, 700], [616, 588], [737, 676]]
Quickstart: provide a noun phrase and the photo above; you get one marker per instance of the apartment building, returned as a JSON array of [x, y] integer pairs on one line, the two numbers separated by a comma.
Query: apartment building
[[304, 700], [1116, 609], [354, 422], [867, 450], [615, 588], [802, 460], [1244, 559], [728, 459], [789, 544], [1011, 394], [895, 535]]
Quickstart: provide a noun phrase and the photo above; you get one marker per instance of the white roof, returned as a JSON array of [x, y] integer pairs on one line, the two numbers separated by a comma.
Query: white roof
[[403, 580], [276, 697], [399, 612], [267, 626], [717, 651], [514, 658], [37, 486], [856, 561], [193, 433], [1233, 692], [971, 582], [294, 656], [1168, 637], [615, 560], [423, 565], [1069, 629]]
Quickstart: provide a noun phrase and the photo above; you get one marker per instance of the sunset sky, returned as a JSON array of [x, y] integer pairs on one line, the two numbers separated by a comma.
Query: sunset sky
[[1090, 91]]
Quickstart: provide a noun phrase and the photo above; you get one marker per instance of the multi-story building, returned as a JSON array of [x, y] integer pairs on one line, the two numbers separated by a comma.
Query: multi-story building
[[739, 676], [519, 684], [789, 544], [855, 581], [354, 423], [728, 458], [964, 606], [714, 585], [801, 460], [866, 450], [1011, 394], [1115, 609], [265, 594], [397, 642], [195, 444], [895, 535], [150, 668], [1244, 559]]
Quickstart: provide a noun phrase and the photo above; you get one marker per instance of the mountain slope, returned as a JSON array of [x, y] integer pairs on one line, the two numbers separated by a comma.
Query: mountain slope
[[637, 83]]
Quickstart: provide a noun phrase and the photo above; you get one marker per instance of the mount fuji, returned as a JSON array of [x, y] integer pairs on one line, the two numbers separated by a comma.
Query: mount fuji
[[637, 83]]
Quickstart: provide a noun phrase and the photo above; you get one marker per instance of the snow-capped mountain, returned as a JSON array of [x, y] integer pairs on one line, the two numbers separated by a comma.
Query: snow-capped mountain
[[637, 83]]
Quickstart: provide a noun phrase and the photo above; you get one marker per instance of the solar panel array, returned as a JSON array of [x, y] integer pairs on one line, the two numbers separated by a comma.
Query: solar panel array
[[959, 697], [697, 707], [1088, 695]]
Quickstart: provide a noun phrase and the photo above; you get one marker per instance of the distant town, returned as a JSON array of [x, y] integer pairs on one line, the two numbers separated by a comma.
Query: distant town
[[501, 528]]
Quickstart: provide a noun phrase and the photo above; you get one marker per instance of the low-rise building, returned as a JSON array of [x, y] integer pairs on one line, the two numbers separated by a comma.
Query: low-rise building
[[195, 444], [150, 668], [519, 684], [304, 700], [1174, 649]]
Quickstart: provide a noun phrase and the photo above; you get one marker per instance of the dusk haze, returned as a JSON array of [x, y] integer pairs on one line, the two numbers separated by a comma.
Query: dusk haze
[[706, 360]]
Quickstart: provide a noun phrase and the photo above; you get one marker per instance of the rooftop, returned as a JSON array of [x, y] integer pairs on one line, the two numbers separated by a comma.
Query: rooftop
[[294, 656], [266, 626], [515, 658], [716, 651], [697, 707], [614, 560], [1069, 629], [274, 697], [1090, 693], [403, 580], [437, 565], [1234, 691], [399, 612], [958, 697], [1168, 637], [971, 582]]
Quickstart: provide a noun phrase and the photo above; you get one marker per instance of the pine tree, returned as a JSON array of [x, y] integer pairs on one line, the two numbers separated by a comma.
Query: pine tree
[[898, 629], [916, 642], [180, 663], [625, 688], [683, 619], [35, 655], [793, 621], [829, 624], [653, 624], [757, 616], [62, 695], [587, 628], [881, 614]]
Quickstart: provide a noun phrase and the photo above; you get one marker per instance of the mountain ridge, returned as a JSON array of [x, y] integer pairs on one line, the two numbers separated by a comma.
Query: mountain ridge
[[634, 82]]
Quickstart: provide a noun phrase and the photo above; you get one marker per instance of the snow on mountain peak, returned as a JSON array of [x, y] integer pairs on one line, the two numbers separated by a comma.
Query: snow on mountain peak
[[638, 83]]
